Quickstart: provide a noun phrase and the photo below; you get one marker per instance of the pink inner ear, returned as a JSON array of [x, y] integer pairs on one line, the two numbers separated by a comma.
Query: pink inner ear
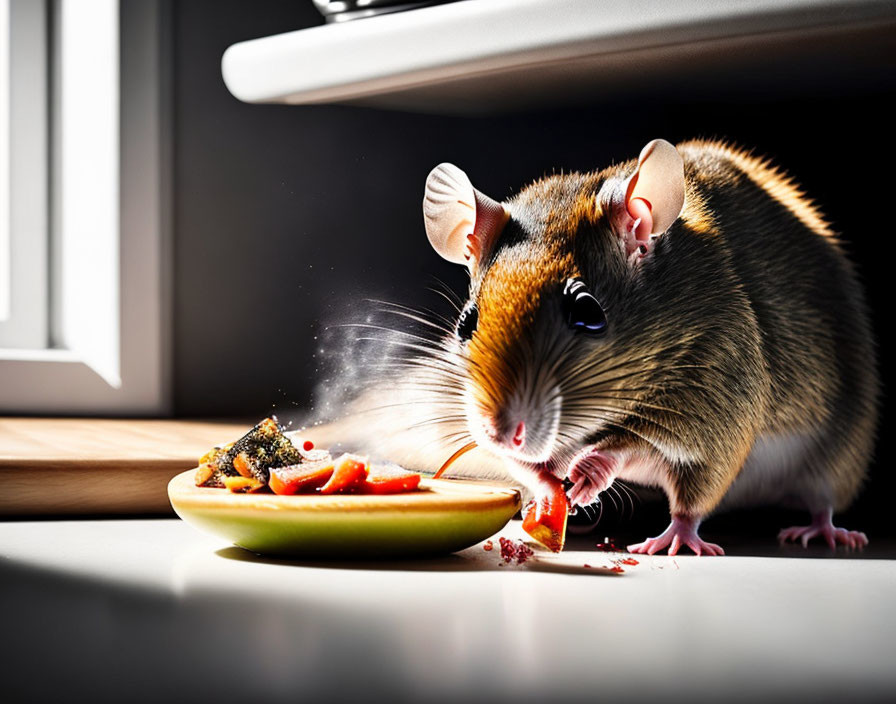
[[471, 251], [640, 210]]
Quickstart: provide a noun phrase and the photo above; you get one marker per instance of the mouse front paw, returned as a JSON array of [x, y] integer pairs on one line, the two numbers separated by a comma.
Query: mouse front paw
[[591, 472], [681, 531]]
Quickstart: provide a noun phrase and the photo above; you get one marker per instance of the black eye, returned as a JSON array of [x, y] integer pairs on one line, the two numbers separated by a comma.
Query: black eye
[[466, 324], [583, 312]]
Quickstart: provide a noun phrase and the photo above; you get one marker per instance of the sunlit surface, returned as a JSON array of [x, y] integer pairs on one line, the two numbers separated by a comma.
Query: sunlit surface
[[152, 609], [4, 160], [87, 213]]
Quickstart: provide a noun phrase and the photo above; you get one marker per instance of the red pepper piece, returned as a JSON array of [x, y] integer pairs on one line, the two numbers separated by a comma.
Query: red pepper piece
[[349, 475], [545, 518], [380, 481], [300, 478]]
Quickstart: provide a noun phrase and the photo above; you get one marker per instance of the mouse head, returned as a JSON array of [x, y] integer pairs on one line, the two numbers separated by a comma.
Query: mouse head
[[550, 272]]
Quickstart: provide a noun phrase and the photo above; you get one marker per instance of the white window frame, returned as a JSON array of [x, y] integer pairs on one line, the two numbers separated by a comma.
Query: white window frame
[[109, 350]]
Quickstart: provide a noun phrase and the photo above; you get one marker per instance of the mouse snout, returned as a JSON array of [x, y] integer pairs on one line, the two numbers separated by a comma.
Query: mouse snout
[[509, 435], [528, 437]]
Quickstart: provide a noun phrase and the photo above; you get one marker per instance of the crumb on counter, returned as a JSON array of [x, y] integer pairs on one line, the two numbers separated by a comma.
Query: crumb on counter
[[515, 550]]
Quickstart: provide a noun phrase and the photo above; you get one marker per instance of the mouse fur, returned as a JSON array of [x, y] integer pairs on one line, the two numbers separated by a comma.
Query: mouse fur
[[737, 368]]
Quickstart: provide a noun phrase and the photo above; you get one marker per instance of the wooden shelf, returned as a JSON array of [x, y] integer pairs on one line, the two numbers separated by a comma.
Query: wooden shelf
[[55, 466], [481, 56]]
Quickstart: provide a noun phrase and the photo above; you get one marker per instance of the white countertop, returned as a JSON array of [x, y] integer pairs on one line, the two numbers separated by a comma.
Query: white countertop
[[151, 607]]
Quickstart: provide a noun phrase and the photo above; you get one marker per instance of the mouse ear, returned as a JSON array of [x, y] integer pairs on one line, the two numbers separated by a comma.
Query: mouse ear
[[654, 194], [462, 224]]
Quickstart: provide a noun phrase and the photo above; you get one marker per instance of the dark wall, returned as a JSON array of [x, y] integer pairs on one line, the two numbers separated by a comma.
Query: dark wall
[[286, 217]]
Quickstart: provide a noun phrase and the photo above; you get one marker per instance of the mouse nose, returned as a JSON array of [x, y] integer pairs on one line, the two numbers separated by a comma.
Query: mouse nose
[[519, 436], [515, 438]]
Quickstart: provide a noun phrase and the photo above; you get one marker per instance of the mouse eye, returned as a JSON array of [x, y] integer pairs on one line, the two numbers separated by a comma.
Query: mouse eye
[[466, 324], [583, 312]]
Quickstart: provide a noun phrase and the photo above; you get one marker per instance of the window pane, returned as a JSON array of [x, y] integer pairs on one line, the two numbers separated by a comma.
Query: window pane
[[4, 163], [24, 140]]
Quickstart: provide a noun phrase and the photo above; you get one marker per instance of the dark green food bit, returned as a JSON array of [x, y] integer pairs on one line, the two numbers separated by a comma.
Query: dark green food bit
[[253, 455]]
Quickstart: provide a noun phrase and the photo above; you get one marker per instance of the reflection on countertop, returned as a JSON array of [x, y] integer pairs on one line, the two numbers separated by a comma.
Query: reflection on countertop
[[150, 609]]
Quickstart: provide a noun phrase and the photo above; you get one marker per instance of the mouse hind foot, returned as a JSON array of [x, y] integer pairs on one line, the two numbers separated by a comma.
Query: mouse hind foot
[[681, 531], [822, 526]]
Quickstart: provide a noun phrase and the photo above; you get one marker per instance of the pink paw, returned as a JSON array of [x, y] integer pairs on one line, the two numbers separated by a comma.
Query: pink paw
[[590, 472], [822, 525], [681, 531]]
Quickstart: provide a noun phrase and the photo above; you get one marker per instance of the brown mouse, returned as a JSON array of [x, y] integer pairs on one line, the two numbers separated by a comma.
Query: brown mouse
[[687, 320]]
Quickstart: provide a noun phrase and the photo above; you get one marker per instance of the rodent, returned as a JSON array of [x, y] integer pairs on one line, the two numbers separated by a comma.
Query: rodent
[[686, 320]]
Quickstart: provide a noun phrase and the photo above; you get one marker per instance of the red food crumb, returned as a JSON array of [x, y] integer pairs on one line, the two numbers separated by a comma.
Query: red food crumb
[[489, 546], [587, 565], [628, 561], [617, 569], [514, 550]]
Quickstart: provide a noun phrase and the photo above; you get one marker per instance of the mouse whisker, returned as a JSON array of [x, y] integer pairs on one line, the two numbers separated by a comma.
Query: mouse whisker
[[404, 345], [435, 321], [434, 344], [611, 493], [594, 414], [429, 364], [445, 291], [627, 492], [436, 420], [640, 403], [446, 444]]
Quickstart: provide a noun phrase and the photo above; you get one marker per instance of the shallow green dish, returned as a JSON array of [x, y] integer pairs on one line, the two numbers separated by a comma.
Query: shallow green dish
[[445, 516]]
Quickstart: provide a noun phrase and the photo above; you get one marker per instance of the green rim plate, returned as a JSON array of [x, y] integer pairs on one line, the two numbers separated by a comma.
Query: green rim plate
[[445, 516]]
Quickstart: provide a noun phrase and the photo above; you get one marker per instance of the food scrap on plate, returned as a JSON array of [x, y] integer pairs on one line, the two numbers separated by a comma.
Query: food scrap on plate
[[266, 459]]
